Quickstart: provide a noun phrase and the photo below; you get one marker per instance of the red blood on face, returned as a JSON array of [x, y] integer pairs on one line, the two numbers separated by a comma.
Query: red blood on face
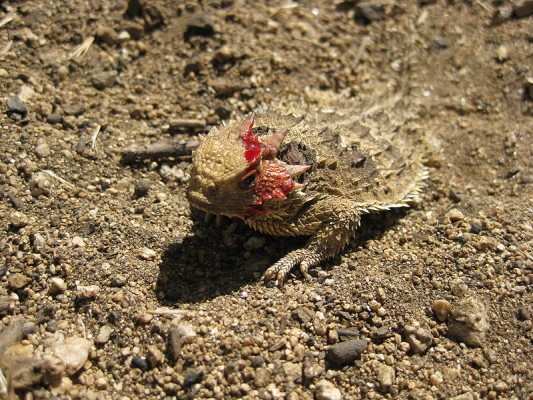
[[273, 182], [252, 145]]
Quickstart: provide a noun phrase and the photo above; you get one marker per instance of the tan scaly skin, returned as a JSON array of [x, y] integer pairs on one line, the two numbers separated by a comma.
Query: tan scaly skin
[[305, 170]]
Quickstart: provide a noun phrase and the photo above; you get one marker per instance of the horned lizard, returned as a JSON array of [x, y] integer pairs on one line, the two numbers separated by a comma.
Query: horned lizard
[[307, 169]]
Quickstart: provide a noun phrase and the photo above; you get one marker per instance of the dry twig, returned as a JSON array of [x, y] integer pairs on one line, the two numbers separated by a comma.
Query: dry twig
[[160, 149]]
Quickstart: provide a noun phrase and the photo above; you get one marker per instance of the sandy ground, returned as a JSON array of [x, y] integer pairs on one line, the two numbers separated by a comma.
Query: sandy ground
[[108, 289]]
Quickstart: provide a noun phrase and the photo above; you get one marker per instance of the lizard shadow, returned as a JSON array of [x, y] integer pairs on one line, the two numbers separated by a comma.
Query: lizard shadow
[[218, 260]]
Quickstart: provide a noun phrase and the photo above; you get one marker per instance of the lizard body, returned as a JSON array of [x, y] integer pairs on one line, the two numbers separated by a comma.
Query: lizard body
[[300, 169]]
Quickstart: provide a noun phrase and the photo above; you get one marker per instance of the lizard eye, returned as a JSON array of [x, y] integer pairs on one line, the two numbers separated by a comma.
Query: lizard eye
[[248, 182]]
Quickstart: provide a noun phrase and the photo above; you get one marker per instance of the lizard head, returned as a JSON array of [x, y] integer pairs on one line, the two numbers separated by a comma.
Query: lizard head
[[236, 173]]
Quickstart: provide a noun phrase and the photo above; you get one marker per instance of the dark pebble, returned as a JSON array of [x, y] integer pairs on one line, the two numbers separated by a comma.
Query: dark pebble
[[192, 376], [303, 315], [523, 314], [54, 118], [142, 188], [257, 361], [345, 353], [475, 228], [140, 363], [16, 108]]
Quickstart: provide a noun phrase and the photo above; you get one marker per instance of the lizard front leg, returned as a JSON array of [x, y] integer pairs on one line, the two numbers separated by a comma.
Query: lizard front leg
[[331, 238]]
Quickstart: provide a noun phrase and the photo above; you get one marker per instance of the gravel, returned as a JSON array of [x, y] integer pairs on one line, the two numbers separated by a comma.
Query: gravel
[[107, 251]]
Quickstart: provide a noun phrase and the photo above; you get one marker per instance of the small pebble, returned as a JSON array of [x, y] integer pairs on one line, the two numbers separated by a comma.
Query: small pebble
[[468, 321], [16, 109], [87, 292], [42, 149], [140, 363], [147, 254], [454, 215], [18, 281], [73, 352], [104, 334], [345, 353], [436, 378], [441, 308], [385, 375], [325, 390], [523, 313], [18, 219], [56, 286], [77, 241], [143, 318]]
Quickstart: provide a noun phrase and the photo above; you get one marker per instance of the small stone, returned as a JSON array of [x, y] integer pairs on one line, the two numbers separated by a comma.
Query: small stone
[[325, 390], [16, 109], [147, 254], [436, 378], [18, 220], [87, 292], [74, 352], [106, 35], [177, 336], [501, 386], [311, 370], [476, 227], [11, 334], [104, 79], [54, 118], [441, 308], [262, 377], [369, 11], [74, 109], [385, 375], [140, 363], [56, 286], [192, 376], [40, 184], [123, 36], [77, 241], [523, 313], [155, 356], [502, 53], [38, 241], [104, 334], [292, 371], [303, 315], [100, 383], [142, 188], [42, 149], [345, 353], [18, 281], [454, 215], [118, 281], [468, 321], [144, 318], [419, 339]]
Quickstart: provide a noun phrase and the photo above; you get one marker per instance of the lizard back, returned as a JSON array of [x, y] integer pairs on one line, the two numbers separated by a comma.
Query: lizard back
[[365, 152]]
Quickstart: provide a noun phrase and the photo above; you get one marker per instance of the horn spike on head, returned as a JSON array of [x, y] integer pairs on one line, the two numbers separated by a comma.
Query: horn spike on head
[[272, 143]]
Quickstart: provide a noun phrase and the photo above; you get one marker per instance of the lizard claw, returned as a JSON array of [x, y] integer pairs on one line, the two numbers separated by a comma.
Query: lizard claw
[[281, 269]]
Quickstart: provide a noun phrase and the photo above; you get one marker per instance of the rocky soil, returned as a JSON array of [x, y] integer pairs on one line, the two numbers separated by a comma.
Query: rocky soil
[[110, 288]]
